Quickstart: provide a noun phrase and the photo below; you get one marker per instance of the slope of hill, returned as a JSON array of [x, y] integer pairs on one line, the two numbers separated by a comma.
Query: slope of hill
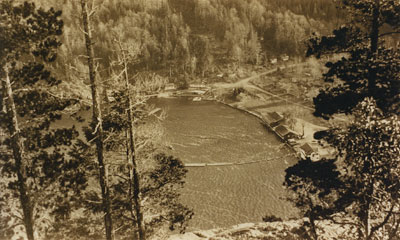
[[190, 38]]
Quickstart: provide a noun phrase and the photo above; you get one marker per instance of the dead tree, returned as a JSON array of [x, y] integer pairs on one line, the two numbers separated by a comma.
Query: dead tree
[[134, 184], [97, 121]]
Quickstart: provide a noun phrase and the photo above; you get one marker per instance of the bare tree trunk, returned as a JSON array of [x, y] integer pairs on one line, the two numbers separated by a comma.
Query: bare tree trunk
[[130, 190], [375, 26], [134, 176], [366, 223], [97, 120], [313, 228], [374, 35], [18, 153], [365, 212]]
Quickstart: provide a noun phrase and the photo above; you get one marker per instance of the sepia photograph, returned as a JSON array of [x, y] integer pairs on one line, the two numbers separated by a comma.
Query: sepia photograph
[[199, 119]]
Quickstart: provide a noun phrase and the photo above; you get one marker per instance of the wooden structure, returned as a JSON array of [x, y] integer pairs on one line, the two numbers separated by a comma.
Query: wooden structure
[[306, 151], [284, 133], [273, 119]]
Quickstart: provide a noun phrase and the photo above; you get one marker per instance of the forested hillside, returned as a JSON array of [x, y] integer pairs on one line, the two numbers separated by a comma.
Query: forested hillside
[[192, 37]]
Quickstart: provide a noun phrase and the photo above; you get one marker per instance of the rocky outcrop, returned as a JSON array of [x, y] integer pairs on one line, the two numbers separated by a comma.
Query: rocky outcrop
[[288, 230]]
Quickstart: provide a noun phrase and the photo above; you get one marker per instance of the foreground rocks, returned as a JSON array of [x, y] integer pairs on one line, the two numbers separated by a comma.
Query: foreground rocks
[[288, 230]]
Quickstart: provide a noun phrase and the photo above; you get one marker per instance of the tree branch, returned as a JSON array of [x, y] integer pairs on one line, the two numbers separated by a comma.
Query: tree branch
[[389, 33], [122, 177], [91, 201], [385, 220], [128, 218], [341, 222]]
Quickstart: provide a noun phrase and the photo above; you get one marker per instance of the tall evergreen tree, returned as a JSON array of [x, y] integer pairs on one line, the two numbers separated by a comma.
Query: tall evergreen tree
[[313, 187], [368, 68], [370, 169], [33, 163]]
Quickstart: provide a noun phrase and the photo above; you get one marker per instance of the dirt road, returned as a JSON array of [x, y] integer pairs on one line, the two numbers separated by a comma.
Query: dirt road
[[245, 81]]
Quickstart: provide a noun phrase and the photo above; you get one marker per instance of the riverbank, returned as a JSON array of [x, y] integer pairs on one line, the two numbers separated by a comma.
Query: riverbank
[[262, 120], [282, 98], [288, 118]]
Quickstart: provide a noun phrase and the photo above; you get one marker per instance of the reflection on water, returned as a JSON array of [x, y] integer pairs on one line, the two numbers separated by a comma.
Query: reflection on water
[[207, 132]]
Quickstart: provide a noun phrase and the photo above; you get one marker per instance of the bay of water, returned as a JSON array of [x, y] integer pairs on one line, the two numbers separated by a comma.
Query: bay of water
[[210, 132]]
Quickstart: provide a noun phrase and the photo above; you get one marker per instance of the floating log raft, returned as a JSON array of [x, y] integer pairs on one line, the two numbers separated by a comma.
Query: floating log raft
[[233, 163]]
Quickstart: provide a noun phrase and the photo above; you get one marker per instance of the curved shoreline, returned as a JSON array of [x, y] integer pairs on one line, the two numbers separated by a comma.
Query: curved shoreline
[[246, 111]]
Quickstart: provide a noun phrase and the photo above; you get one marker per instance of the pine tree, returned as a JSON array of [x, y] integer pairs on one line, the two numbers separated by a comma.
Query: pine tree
[[313, 189], [33, 164], [368, 68], [370, 169]]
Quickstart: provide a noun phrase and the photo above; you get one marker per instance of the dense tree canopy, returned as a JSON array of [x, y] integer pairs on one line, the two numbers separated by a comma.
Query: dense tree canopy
[[242, 31], [365, 82], [370, 169], [368, 68], [34, 167], [313, 187]]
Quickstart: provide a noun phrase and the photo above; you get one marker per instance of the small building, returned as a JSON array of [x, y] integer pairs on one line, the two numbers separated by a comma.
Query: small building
[[306, 151], [170, 87], [285, 133], [274, 60], [285, 58], [197, 86], [273, 119]]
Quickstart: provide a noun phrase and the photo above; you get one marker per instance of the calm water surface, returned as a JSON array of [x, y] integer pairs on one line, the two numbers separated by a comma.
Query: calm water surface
[[209, 132]]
